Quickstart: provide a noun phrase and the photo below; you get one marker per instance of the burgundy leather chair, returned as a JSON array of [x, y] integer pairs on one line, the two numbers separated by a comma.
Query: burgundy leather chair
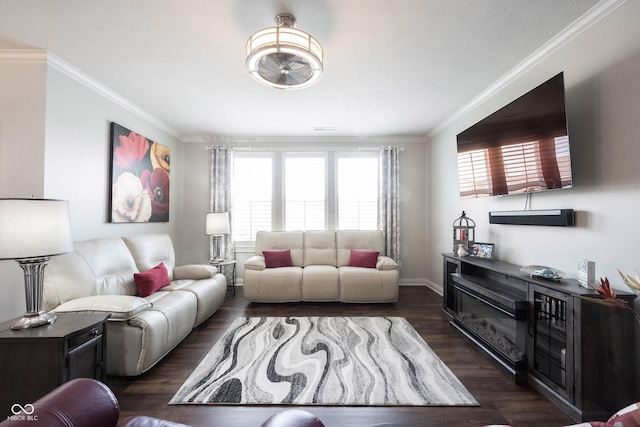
[[85, 402], [80, 402], [293, 417]]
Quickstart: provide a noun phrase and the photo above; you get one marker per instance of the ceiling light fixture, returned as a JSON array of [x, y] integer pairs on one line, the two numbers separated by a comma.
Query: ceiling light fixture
[[284, 57]]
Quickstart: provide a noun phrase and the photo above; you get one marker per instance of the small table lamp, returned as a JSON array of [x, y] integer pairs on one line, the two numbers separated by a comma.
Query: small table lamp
[[31, 232], [217, 225]]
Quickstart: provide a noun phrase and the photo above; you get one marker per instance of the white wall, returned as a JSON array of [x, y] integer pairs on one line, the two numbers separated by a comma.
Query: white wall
[[412, 205], [73, 144], [78, 155], [22, 127], [602, 77]]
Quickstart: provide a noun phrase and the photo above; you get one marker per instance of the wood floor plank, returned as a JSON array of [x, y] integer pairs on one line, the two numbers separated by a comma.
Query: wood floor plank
[[501, 401]]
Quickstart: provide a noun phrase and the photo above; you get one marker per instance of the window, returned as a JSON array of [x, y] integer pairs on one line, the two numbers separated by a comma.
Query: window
[[357, 192], [473, 170], [252, 195], [515, 168], [303, 191]]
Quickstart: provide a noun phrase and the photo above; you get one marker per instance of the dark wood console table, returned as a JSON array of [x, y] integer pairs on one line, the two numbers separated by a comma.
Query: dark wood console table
[[579, 354], [35, 361]]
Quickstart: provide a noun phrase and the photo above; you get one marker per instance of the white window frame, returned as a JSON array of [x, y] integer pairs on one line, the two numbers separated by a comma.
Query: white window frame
[[262, 154], [338, 156], [278, 177], [282, 189]]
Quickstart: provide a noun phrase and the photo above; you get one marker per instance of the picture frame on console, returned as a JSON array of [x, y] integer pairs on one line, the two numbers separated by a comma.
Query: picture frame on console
[[481, 250]]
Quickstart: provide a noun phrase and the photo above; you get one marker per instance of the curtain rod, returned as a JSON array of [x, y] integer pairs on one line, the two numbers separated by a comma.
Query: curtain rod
[[298, 149]]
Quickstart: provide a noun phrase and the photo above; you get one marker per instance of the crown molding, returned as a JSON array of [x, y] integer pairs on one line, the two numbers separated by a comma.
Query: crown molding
[[42, 56], [23, 56], [586, 21], [284, 140]]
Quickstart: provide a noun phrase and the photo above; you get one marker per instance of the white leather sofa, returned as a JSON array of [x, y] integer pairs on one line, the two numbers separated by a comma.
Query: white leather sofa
[[98, 276], [320, 269]]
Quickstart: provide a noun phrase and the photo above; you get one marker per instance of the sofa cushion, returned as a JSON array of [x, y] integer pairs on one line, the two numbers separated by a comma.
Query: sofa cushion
[[281, 240], [362, 240], [151, 280], [275, 259], [320, 283], [111, 263], [96, 267], [148, 250], [210, 294], [121, 307], [320, 248], [274, 284], [366, 285], [366, 259]]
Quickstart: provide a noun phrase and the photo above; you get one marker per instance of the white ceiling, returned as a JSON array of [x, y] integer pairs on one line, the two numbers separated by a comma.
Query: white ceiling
[[392, 67]]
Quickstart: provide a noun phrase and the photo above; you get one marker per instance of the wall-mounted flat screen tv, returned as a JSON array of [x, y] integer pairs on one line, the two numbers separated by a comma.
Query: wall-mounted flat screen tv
[[521, 148]]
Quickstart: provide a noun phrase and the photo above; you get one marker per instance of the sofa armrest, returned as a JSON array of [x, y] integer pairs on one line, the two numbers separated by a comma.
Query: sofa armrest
[[194, 272], [121, 307], [386, 263], [256, 262]]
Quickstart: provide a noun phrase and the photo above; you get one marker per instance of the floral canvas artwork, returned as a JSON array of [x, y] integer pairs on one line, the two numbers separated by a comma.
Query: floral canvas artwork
[[140, 178]]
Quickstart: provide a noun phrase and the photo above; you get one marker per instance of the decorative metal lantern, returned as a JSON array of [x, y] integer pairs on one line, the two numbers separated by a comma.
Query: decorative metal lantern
[[463, 233]]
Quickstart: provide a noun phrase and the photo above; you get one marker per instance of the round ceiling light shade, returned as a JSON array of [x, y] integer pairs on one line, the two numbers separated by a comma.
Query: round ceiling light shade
[[284, 57]]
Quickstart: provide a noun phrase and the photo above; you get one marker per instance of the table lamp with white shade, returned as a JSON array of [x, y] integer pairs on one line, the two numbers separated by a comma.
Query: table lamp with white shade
[[217, 225], [31, 232]]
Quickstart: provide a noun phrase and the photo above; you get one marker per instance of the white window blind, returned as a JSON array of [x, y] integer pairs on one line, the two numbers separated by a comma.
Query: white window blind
[[284, 190], [513, 168], [252, 195], [357, 182], [305, 192], [522, 166], [473, 173]]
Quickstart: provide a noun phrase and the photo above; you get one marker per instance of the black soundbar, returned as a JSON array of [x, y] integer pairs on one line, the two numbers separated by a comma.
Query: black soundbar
[[561, 217]]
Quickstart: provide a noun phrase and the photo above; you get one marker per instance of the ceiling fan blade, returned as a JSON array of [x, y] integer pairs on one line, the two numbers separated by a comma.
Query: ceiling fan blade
[[284, 69]]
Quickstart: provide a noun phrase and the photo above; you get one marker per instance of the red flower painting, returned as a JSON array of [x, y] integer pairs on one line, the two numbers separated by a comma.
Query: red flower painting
[[140, 178], [156, 183], [132, 149]]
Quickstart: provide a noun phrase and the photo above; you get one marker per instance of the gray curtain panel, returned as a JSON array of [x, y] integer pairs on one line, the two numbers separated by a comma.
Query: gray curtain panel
[[221, 160], [388, 199]]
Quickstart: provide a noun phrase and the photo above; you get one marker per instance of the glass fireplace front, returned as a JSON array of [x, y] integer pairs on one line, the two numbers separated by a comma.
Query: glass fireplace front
[[503, 329]]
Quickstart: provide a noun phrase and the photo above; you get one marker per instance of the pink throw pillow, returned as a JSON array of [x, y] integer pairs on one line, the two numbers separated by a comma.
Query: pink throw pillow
[[274, 259], [151, 280], [629, 416], [365, 259]]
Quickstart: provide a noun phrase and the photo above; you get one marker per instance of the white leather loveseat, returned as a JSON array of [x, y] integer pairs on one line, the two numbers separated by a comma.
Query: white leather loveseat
[[322, 268], [98, 276]]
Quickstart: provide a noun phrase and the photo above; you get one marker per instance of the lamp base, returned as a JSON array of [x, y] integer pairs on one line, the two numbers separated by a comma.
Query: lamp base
[[217, 260], [33, 269], [32, 320]]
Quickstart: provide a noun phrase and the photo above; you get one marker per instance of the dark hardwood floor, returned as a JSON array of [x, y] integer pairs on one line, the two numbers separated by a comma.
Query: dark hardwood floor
[[501, 401]]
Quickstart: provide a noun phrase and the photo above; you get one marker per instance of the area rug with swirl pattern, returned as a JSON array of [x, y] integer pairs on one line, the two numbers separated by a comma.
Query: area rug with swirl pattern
[[377, 361]]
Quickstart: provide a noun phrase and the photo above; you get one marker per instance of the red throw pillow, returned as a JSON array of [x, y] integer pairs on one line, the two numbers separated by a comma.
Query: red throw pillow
[[151, 280], [365, 259], [629, 416], [275, 259]]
